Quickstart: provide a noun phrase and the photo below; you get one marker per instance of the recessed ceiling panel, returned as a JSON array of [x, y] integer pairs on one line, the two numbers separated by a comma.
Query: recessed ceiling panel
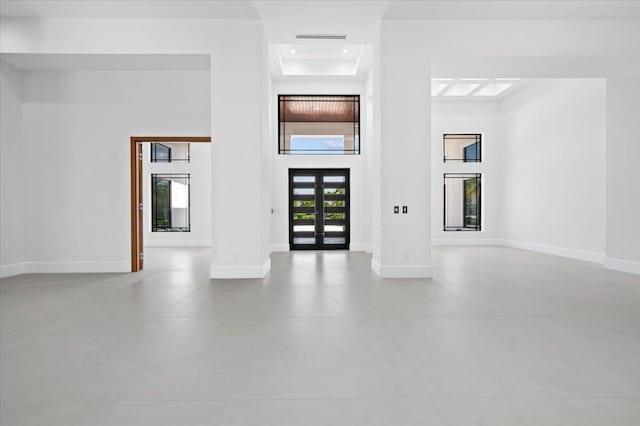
[[461, 89], [436, 88], [319, 59], [476, 87], [492, 89]]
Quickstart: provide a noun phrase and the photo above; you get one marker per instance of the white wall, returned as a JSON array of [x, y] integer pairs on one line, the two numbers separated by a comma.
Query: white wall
[[623, 159], [77, 126], [199, 169], [239, 211], [459, 116], [405, 155], [360, 187], [11, 166], [552, 156]]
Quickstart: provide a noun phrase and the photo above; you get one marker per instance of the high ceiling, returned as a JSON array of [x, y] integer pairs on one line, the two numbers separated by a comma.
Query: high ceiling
[[130, 62], [291, 9], [359, 20]]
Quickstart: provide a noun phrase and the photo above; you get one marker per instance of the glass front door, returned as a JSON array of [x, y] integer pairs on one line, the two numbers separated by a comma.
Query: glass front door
[[318, 209]]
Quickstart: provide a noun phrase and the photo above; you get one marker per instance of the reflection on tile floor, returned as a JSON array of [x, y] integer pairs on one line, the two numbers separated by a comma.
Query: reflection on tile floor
[[498, 337]]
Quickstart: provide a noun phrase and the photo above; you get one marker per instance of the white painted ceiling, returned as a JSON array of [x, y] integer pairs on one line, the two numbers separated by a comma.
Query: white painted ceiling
[[216, 9], [358, 19], [334, 9], [127, 62]]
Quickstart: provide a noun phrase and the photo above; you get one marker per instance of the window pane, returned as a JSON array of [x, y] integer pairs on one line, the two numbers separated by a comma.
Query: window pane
[[304, 203], [334, 216], [304, 216], [334, 240], [317, 144], [304, 191], [464, 147], [304, 241], [170, 203], [334, 191]]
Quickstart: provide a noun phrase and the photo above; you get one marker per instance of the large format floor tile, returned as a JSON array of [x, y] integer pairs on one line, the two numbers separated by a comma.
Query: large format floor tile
[[498, 337]]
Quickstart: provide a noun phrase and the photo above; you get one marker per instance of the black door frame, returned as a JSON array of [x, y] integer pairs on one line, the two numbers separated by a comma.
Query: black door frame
[[319, 208]]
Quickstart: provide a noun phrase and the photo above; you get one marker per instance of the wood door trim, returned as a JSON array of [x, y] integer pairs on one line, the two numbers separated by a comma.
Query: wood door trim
[[136, 190]]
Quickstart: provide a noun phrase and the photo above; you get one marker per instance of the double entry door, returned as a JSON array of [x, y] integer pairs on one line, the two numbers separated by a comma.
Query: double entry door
[[318, 209]]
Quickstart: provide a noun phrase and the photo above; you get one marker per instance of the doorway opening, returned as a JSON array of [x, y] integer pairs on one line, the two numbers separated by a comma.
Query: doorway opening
[[137, 188], [319, 216]]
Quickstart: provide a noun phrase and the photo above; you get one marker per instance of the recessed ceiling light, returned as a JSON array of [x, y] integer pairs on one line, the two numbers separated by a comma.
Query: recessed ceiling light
[[473, 79], [293, 51], [345, 51], [437, 88], [461, 89], [493, 89]]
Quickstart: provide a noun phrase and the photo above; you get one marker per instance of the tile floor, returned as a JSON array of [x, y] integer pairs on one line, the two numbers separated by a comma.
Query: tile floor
[[499, 337]]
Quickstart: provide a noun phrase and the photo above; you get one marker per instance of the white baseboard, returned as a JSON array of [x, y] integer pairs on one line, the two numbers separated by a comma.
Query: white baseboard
[[402, 271], [178, 243], [375, 266], [11, 270], [76, 267], [360, 247], [622, 265], [465, 242], [279, 247], [240, 271], [588, 256]]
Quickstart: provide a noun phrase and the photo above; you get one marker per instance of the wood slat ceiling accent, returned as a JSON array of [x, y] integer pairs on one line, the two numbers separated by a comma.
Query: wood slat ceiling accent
[[319, 108]]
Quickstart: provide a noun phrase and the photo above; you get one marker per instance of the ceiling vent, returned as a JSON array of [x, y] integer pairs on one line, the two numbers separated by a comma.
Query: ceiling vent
[[321, 36]]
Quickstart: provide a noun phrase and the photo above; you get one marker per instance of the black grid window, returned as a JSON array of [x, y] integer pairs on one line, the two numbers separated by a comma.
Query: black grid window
[[171, 204], [462, 202], [464, 147], [178, 152], [319, 124]]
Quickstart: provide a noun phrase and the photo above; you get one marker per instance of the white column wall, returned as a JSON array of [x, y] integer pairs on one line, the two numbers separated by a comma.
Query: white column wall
[[11, 169], [238, 208], [623, 159], [405, 243]]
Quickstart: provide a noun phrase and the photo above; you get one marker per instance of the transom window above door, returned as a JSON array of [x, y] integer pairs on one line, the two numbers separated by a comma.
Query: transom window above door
[[319, 124], [463, 147], [170, 152]]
